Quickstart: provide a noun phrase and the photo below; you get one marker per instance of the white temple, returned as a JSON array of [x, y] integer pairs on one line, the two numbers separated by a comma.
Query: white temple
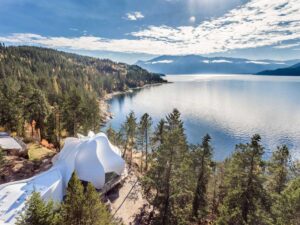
[[92, 157]]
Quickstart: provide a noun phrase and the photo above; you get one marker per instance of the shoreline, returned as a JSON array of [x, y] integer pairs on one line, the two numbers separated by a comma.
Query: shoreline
[[105, 114]]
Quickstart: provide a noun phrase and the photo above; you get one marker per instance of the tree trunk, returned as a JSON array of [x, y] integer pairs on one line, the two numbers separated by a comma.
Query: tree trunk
[[146, 167], [165, 219], [196, 202], [246, 203]]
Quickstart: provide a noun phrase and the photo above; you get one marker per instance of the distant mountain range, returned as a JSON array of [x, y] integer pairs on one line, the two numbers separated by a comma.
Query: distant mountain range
[[290, 71], [192, 64]]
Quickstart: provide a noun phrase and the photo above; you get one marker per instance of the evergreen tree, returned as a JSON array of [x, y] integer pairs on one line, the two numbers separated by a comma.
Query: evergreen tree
[[73, 111], [202, 156], [286, 209], [119, 138], [159, 133], [37, 109], [246, 200], [91, 113], [96, 212], [129, 129], [83, 207], [33, 80], [216, 190], [144, 130], [167, 183], [73, 208], [295, 168], [111, 134], [38, 212], [278, 169], [11, 110]]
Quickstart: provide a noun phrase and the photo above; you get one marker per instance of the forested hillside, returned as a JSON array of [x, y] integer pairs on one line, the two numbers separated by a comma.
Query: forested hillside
[[58, 90], [288, 71]]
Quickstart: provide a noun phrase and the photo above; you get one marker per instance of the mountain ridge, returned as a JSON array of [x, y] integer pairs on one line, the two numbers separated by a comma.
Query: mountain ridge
[[192, 64], [287, 71]]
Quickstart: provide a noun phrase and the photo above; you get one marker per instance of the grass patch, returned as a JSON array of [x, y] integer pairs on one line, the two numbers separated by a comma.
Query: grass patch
[[37, 152]]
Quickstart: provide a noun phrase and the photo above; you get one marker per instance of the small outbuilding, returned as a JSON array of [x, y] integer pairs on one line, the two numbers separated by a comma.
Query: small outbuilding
[[11, 145]]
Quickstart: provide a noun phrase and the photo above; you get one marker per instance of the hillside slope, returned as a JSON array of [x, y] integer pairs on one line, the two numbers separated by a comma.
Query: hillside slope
[[289, 71], [192, 64], [44, 85], [43, 66]]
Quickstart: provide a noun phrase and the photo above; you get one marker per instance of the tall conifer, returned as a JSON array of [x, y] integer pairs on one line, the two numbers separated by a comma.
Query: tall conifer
[[37, 212], [246, 200], [96, 212], [73, 209], [202, 157]]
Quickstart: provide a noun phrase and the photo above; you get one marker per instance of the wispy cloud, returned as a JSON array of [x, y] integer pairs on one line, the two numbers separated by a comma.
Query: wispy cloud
[[284, 46], [255, 24], [134, 16]]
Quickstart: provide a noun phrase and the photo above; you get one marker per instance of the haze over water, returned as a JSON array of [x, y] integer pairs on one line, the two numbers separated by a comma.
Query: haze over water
[[231, 108]]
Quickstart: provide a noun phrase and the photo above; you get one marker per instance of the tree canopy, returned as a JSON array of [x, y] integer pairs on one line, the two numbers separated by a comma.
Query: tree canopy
[[58, 90]]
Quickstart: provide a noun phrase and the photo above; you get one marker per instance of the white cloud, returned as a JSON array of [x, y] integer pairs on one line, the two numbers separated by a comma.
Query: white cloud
[[192, 19], [220, 61], [287, 46], [258, 62], [134, 16], [217, 61], [166, 61], [255, 24]]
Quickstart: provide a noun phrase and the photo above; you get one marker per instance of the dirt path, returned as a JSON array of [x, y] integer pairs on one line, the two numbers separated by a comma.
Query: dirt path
[[128, 210]]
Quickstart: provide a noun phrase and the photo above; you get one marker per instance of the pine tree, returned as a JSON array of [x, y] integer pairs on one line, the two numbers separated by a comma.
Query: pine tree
[[159, 133], [144, 130], [129, 128], [96, 212], [246, 200], [286, 209], [37, 109], [202, 156], [37, 212], [167, 183], [111, 134], [73, 111], [278, 169], [90, 113], [83, 207], [11, 114], [73, 209]]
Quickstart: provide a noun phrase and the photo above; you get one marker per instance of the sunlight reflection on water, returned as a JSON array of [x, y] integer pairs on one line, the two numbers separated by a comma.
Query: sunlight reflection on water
[[231, 108]]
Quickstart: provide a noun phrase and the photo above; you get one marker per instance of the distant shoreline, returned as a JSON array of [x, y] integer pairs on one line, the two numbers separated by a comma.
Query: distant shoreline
[[106, 114]]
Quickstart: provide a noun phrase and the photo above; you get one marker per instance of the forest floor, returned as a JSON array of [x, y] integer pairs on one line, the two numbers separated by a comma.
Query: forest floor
[[38, 152], [19, 167]]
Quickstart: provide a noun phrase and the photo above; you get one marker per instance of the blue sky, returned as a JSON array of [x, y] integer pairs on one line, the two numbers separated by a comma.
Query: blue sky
[[128, 30]]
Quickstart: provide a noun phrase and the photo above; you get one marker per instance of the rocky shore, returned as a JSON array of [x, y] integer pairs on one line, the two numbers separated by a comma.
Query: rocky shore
[[106, 115]]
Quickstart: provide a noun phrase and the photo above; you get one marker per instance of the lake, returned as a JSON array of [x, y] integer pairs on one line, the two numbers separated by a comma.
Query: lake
[[231, 108]]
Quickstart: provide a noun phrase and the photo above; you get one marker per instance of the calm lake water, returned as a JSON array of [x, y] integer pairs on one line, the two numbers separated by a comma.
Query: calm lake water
[[231, 108]]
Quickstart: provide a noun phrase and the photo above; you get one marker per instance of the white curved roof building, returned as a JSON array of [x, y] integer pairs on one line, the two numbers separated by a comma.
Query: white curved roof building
[[92, 157]]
